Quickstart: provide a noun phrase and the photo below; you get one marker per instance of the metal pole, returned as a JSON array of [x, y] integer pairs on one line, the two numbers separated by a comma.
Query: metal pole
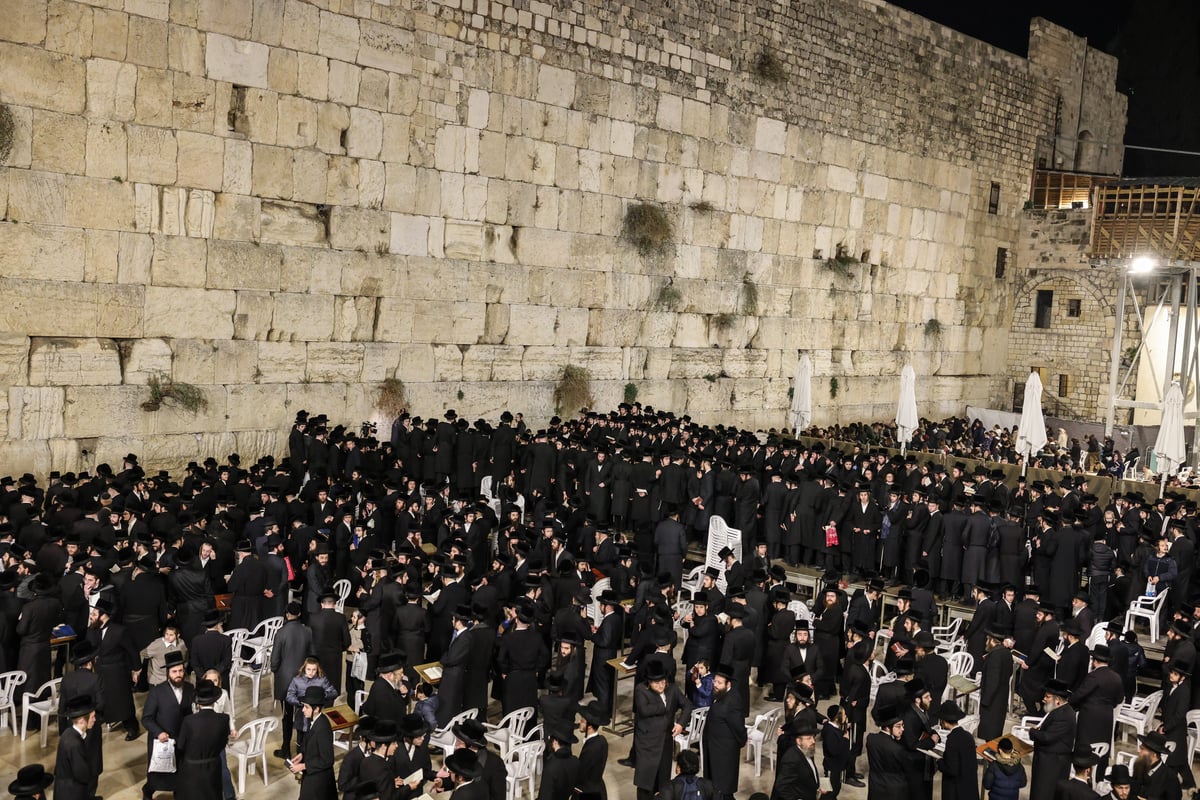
[[1114, 367], [1173, 333]]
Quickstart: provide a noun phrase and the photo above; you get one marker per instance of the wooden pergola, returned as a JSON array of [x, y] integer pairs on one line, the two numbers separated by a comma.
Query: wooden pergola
[[1147, 217]]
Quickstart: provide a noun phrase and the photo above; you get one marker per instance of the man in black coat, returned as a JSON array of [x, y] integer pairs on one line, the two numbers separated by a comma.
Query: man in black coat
[[660, 710], [890, 762], [796, 776], [385, 701], [1053, 742], [213, 649], [247, 583], [200, 746], [166, 706], [1095, 700], [330, 637], [76, 773], [960, 778], [997, 668], [560, 769], [737, 651], [606, 643], [593, 755], [724, 735], [1079, 785], [452, 690], [117, 665], [1038, 666], [1175, 706], [1152, 779], [481, 643]]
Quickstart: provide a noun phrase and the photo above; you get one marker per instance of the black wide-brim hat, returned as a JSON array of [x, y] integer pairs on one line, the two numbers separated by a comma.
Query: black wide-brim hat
[[30, 779]]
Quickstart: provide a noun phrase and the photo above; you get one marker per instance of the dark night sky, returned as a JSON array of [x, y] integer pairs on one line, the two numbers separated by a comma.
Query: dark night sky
[[1157, 42]]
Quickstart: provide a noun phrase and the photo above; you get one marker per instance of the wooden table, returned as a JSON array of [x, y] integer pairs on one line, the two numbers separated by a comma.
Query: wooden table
[[1019, 747], [621, 672], [224, 602], [341, 717]]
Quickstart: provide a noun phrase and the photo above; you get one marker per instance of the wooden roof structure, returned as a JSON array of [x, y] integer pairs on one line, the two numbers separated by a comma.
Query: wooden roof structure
[[1147, 217]]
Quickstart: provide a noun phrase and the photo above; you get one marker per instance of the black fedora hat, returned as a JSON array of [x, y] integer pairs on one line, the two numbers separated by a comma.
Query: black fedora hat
[[30, 779], [314, 696], [413, 726], [464, 763], [472, 732], [79, 706]]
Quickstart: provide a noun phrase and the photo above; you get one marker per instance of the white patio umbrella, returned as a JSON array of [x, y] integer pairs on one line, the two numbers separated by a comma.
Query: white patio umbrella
[[1170, 447], [801, 413], [906, 410], [1031, 431]]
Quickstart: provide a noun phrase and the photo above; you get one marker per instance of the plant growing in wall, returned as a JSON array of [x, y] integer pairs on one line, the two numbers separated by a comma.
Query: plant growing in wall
[[631, 392], [669, 297], [842, 261], [163, 389], [648, 228], [703, 207], [391, 399], [573, 390], [8, 132], [933, 329], [724, 321], [768, 67], [833, 388]]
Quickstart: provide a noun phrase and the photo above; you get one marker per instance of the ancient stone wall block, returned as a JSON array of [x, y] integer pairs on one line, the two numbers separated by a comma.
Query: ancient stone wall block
[[236, 362], [281, 362], [272, 172], [447, 363], [201, 160], [179, 261], [41, 252], [354, 319], [302, 317], [26, 456], [236, 61], [237, 218], [252, 315], [193, 361], [744, 363], [695, 363], [41, 79], [243, 265], [409, 235], [291, 223], [359, 229], [35, 412], [330, 362], [189, 313], [457, 323], [80, 309], [386, 47], [70, 361], [380, 360], [605, 363], [247, 405], [338, 37], [90, 410], [530, 325]]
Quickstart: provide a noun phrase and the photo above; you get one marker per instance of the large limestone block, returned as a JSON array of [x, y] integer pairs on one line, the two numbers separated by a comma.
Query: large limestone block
[[273, 171], [477, 363], [416, 363], [41, 252], [543, 363], [373, 275], [695, 363], [447, 363], [530, 325], [248, 404], [252, 315], [193, 361], [237, 362], [58, 142], [237, 217], [571, 327], [153, 154], [380, 360], [179, 261], [615, 327], [14, 358], [236, 61], [91, 410], [36, 196], [361, 229], [396, 321], [78, 309], [605, 363], [354, 319], [172, 418], [281, 362], [744, 363], [201, 160], [26, 456], [35, 412], [448, 322], [40, 79], [291, 223], [330, 362], [302, 317], [338, 37], [189, 313], [243, 265], [71, 362], [386, 47]]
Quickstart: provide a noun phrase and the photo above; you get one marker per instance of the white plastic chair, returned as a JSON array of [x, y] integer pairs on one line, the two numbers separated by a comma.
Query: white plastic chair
[[1096, 637], [961, 663], [1021, 730], [264, 634], [9, 681], [764, 729], [594, 608], [681, 608], [946, 634], [1193, 735], [43, 708], [444, 737], [251, 744], [341, 588], [360, 697], [692, 581], [245, 668], [509, 731], [879, 675], [969, 723], [1149, 609], [522, 763], [694, 734], [1138, 714]]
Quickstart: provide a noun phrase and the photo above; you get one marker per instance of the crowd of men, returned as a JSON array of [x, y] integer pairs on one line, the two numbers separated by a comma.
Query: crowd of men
[[134, 562]]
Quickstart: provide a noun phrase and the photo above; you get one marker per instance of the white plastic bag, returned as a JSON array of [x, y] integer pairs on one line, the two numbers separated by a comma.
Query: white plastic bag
[[358, 667], [162, 756]]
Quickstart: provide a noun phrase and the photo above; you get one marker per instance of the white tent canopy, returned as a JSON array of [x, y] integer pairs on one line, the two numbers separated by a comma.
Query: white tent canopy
[[906, 410], [1170, 447], [1031, 432]]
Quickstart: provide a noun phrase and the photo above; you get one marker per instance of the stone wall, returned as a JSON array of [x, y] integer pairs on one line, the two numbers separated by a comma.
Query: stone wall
[[1052, 256], [285, 202]]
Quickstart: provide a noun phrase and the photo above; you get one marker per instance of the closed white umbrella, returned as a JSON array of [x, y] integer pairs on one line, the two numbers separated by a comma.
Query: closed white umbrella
[[1031, 431], [906, 410], [1169, 447], [801, 412]]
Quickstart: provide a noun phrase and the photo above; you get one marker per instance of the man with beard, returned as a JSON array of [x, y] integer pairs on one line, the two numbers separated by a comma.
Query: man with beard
[[958, 765], [166, 706], [1038, 666], [1152, 779], [920, 733], [1096, 699], [1120, 780], [724, 735], [1175, 706], [888, 761], [931, 665], [737, 651], [796, 776], [1052, 739], [660, 709]]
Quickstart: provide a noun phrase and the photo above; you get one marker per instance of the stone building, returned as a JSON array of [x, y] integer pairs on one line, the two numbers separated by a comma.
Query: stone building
[[283, 203]]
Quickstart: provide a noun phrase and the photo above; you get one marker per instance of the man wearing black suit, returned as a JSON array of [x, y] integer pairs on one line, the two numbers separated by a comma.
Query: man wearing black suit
[[1038, 666], [76, 772], [738, 651], [330, 637], [452, 691], [960, 779], [481, 644], [166, 706], [983, 618], [413, 750], [385, 701], [212, 649], [1079, 785], [1175, 706], [1073, 661], [1053, 741], [1154, 780], [796, 775], [200, 746], [606, 643], [315, 759], [593, 755], [117, 664], [889, 762], [724, 735], [454, 593]]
